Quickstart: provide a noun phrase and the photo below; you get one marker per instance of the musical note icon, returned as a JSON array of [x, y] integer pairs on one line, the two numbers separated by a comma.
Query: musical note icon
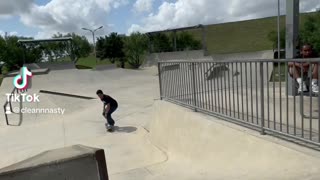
[[21, 81]]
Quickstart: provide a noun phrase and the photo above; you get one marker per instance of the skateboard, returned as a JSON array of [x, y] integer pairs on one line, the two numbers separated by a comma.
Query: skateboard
[[109, 129]]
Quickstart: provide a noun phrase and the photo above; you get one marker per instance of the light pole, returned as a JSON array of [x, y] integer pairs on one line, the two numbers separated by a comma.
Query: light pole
[[94, 42], [278, 29]]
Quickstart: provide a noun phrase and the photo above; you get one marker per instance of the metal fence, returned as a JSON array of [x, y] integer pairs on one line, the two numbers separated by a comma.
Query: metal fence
[[250, 92]]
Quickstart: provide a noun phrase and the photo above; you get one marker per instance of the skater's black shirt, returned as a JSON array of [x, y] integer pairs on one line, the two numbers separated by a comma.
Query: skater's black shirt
[[109, 100]]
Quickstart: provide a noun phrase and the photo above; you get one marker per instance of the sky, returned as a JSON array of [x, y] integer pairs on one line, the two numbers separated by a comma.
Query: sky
[[43, 18]]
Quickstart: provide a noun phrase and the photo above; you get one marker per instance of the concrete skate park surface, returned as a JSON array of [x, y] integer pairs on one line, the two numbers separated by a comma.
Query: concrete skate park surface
[[153, 139]]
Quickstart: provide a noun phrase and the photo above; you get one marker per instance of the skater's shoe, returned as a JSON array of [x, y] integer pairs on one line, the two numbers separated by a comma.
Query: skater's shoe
[[302, 88], [315, 88], [111, 128]]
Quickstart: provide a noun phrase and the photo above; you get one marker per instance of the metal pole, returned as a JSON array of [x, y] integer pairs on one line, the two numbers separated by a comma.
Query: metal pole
[[94, 43], [175, 40], [5, 114], [292, 30], [160, 84], [278, 29], [194, 87], [94, 46], [262, 99]]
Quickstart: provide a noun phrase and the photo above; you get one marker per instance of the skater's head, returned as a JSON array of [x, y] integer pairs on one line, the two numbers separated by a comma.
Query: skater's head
[[307, 51], [100, 93]]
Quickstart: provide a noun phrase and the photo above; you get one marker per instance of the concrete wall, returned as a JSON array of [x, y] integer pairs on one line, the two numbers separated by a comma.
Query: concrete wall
[[268, 54], [152, 59], [72, 163], [211, 147]]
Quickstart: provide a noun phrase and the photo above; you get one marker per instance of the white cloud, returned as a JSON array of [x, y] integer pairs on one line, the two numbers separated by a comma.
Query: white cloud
[[70, 16], [183, 13], [309, 5], [13, 33], [143, 5], [13, 7]]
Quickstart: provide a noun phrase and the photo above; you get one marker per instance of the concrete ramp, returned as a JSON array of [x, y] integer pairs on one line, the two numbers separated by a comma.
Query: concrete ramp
[[75, 162], [105, 67], [202, 147]]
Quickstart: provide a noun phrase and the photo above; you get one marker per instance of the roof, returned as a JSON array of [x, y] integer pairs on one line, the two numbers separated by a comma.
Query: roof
[[44, 40], [177, 29]]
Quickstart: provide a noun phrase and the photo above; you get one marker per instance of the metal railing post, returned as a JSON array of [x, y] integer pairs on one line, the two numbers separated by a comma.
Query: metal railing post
[[194, 87], [262, 98], [160, 79], [5, 114], [10, 103]]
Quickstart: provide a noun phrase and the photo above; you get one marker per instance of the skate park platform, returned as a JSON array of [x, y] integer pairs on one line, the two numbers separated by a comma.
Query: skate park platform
[[153, 139]]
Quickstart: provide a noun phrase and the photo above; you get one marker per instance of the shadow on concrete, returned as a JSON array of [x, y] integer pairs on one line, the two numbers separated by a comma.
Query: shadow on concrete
[[125, 129]]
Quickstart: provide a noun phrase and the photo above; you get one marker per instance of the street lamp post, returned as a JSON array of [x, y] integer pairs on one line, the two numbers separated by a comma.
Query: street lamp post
[[278, 29], [94, 42]]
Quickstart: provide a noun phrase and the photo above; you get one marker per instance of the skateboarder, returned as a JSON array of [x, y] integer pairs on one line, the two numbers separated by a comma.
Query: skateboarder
[[109, 106]]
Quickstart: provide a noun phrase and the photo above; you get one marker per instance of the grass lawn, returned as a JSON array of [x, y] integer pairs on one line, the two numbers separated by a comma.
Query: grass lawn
[[91, 62], [242, 36]]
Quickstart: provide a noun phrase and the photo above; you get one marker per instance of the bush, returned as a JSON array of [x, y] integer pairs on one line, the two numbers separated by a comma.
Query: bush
[[1, 79], [4, 70]]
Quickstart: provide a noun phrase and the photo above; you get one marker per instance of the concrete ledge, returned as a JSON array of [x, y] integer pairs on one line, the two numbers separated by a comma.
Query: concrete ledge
[[65, 94], [34, 72], [74, 162]]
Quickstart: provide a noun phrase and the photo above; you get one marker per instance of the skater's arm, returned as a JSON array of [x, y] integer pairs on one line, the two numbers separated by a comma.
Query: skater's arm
[[107, 108]]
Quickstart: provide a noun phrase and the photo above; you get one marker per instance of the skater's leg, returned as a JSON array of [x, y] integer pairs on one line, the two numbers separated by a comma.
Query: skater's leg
[[109, 118]]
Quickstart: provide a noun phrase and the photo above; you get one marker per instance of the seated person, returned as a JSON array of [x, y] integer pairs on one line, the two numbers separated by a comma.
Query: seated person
[[295, 69]]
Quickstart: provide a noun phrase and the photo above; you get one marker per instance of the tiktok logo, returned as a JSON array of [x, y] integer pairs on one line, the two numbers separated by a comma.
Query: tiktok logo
[[21, 81]]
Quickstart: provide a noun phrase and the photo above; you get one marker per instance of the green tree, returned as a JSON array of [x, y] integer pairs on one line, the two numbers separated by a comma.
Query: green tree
[[161, 43], [135, 47], [110, 47], [101, 47], [185, 41], [273, 37], [310, 32], [13, 54], [115, 46], [80, 46]]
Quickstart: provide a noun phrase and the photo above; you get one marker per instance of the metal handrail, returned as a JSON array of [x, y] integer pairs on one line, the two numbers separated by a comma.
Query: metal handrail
[[10, 105], [306, 60], [253, 102]]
